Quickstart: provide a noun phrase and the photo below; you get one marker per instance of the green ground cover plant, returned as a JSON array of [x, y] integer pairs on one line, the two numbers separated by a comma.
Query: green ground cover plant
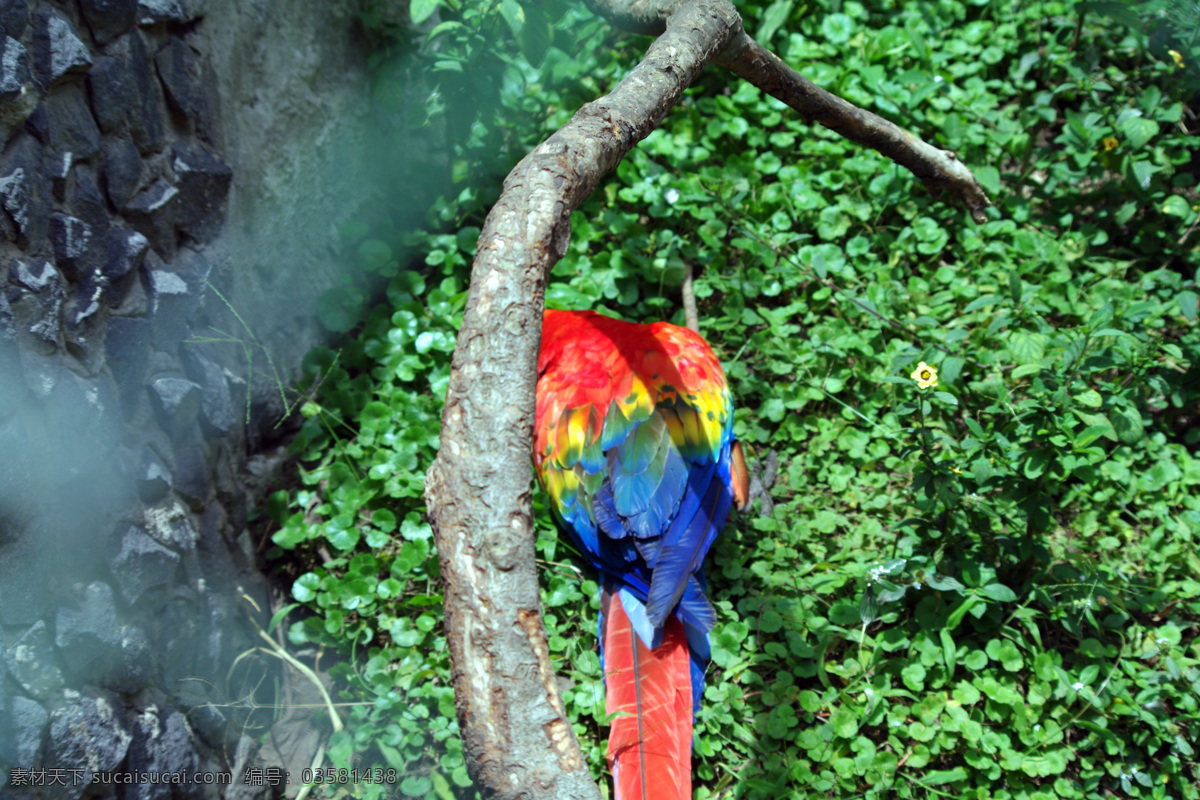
[[981, 577]]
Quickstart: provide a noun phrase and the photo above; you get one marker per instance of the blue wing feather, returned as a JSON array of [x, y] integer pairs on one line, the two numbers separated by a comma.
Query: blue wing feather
[[683, 546], [645, 502]]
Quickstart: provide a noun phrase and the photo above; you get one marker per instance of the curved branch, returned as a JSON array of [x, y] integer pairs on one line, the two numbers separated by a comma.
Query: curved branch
[[516, 737], [515, 733], [939, 170]]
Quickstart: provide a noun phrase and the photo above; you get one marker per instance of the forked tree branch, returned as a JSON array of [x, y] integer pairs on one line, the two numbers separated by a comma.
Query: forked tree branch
[[939, 170], [517, 739]]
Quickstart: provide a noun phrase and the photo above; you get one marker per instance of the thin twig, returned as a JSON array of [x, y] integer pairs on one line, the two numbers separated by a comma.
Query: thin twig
[[689, 299]]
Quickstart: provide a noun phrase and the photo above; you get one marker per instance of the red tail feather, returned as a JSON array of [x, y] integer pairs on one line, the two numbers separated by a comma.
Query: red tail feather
[[650, 745]]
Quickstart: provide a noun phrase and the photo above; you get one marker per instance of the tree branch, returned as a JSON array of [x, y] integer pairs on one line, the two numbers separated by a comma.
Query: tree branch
[[939, 170], [516, 736]]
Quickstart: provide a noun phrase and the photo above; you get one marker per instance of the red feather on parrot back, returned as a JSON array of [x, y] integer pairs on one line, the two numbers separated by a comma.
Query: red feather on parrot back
[[634, 444], [650, 754]]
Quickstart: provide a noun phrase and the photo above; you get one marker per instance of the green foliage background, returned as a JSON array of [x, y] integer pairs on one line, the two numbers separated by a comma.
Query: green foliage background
[[989, 588]]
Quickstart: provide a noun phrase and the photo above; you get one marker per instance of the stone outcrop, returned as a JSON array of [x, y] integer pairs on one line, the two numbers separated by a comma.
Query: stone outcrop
[[153, 150]]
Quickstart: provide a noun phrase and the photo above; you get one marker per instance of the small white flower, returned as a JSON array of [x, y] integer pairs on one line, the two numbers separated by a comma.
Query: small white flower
[[1077, 686], [671, 195], [1037, 727], [925, 375]]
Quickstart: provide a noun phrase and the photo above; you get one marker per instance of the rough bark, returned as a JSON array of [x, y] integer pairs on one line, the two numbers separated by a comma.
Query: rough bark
[[939, 170], [517, 739], [516, 736]]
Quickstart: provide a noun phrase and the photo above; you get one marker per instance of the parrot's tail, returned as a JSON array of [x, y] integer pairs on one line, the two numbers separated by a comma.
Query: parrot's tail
[[650, 744]]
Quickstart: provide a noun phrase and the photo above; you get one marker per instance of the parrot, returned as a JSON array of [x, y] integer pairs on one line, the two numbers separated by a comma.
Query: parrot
[[634, 444]]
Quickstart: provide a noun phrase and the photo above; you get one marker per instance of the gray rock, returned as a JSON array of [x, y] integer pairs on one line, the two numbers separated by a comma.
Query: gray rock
[[8, 353], [57, 49], [127, 351], [42, 310], [82, 428], [154, 481], [14, 16], [191, 475], [33, 663], [88, 205], [217, 415], [162, 743], [136, 666], [28, 727], [87, 632], [174, 398], [88, 735], [203, 181], [173, 303], [111, 87], [25, 190], [146, 111], [8, 339], [83, 306], [82, 332], [152, 213], [169, 524], [16, 74], [177, 297], [195, 646], [108, 19], [8, 229], [7, 336], [69, 123], [126, 252], [71, 242], [38, 125], [181, 72], [87, 202], [58, 167], [34, 275], [194, 269], [124, 93], [130, 298], [19, 95], [122, 171], [153, 11], [40, 374]]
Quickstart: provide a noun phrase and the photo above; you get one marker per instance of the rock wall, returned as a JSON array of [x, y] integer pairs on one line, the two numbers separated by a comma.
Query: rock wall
[[153, 150]]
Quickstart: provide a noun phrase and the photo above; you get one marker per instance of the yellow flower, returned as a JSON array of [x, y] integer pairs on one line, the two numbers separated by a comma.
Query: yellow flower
[[925, 376], [1110, 143], [1176, 57]]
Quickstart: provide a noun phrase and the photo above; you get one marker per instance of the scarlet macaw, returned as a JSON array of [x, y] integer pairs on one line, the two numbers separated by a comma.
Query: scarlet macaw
[[634, 444]]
